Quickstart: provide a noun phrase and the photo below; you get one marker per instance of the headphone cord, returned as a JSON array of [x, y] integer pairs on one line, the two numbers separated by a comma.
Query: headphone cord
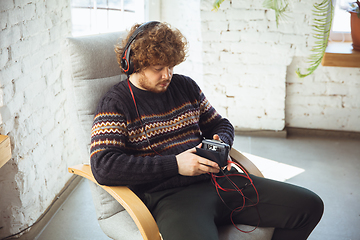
[[139, 116], [240, 191]]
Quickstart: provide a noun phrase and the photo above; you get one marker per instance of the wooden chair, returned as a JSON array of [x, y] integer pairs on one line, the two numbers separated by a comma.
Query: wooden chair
[[93, 69]]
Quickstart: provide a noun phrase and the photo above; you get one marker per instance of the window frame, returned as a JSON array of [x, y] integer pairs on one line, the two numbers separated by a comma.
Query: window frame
[[93, 24], [339, 36]]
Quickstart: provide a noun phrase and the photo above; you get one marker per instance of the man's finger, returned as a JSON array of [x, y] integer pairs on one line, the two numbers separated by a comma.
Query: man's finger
[[206, 168], [209, 163], [229, 166], [193, 150], [216, 137]]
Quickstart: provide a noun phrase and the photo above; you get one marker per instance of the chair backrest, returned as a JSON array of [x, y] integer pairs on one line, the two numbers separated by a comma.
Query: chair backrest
[[93, 69]]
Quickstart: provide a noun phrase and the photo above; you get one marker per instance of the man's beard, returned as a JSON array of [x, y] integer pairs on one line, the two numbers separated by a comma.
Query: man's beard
[[144, 83]]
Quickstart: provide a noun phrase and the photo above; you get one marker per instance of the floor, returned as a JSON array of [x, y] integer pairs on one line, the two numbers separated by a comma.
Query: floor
[[328, 166]]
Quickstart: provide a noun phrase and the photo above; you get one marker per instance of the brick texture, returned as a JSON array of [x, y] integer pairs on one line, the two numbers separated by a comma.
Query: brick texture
[[33, 103], [249, 70]]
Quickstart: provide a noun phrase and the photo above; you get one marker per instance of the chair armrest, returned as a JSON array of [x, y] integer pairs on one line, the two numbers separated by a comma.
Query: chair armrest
[[250, 168], [132, 203]]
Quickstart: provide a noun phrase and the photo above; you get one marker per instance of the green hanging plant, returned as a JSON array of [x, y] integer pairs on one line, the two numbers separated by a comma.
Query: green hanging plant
[[279, 6], [216, 4], [323, 14], [322, 19]]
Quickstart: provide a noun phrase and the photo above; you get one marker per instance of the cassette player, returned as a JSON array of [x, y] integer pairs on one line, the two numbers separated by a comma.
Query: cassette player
[[214, 150]]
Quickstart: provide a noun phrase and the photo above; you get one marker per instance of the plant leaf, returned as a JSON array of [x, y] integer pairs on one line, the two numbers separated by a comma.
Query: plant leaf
[[279, 6], [216, 5], [323, 14]]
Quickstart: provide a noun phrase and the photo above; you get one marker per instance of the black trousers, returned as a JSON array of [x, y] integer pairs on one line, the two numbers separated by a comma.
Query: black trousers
[[194, 212]]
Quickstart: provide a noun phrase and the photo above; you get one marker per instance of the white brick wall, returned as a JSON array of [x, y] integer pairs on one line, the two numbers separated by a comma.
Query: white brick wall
[[328, 99], [244, 78], [33, 106], [249, 70], [185, 16]]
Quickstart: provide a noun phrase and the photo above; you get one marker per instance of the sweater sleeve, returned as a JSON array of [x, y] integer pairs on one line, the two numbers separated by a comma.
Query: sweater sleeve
[[111, 160]]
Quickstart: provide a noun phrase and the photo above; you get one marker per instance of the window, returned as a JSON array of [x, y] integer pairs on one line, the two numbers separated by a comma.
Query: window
[[99, 16], [341, 22]]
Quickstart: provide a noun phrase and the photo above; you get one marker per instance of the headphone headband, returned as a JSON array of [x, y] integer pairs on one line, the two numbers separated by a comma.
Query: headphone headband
[[126, 63]]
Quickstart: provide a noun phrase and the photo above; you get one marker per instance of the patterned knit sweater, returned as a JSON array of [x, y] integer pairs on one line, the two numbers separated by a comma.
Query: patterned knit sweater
[[175, 121]]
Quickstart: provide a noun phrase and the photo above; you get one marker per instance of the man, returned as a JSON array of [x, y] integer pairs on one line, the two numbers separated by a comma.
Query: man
[[145, 134]]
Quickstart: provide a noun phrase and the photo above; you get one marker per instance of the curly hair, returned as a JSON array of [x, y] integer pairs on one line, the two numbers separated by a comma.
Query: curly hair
[[156, 45]]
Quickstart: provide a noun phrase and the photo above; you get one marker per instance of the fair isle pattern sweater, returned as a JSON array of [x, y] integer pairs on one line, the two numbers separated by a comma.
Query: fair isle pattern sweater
[[175, 121]]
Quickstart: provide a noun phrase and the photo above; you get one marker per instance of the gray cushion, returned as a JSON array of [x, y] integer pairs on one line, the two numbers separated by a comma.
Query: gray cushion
[[115, 223], [87, 96], [105, 205], [93, 57], [93, 70], [127, 230]]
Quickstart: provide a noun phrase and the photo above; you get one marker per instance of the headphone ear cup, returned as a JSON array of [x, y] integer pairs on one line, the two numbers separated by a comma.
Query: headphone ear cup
[[126, 63], [131, 68], [129, 62]]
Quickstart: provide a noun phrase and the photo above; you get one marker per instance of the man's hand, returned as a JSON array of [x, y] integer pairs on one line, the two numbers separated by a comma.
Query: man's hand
[[190, 164], [216, 137]]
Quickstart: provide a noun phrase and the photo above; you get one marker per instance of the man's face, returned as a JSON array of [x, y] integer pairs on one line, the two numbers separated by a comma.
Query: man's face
[[155, 78]]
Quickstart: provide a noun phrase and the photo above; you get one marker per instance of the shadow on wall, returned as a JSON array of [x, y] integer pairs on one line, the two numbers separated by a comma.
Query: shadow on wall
[[10, 203]]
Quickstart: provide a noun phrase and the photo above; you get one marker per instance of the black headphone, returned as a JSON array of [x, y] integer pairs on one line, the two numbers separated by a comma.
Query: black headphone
[[126, 64]]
